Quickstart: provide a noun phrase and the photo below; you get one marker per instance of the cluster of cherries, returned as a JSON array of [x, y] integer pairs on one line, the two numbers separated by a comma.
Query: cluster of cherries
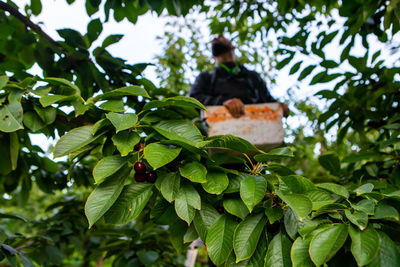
[[141, 174]]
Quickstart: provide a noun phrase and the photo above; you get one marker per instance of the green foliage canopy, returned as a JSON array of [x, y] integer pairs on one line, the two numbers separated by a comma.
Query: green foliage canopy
[[347, 215]]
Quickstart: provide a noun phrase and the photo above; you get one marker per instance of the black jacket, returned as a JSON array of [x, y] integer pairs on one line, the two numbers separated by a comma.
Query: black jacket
[[213, 88]]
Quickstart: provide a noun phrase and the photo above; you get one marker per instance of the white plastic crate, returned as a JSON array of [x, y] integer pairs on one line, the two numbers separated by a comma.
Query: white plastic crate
[[261, 124]]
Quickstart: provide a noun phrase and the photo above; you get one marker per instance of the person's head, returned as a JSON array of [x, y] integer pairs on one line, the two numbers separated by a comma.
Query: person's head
[[222, 50]]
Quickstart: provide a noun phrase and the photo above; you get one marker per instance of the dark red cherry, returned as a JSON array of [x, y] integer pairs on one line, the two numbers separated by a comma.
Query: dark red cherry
[[139, 167], [137, 146], [151, 177], [220, 209], [140, 177]]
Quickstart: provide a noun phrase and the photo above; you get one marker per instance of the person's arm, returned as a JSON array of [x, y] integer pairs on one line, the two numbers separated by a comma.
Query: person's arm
[[201, 90]]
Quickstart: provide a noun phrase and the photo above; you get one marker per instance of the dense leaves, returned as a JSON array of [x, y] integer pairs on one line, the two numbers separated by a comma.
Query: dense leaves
[[298, 205]]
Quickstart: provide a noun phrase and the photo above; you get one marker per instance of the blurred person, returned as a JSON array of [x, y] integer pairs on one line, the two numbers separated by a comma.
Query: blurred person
[[230, 83]]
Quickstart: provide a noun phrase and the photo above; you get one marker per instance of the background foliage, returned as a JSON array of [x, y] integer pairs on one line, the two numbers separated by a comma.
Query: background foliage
[[321, 200]]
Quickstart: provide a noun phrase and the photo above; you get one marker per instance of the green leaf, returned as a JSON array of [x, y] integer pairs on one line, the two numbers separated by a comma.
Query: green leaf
[[274, 214], [47, 115], [365, 188], [306, 71], [74, 140], [330, 208], [284, 62], [94, 29], [329, 64], [326, 243], [318, 78], [11, 216], [219, 239], [122, 121], [228, 142], [204, 218], [176, 101], [133, 90], [364, 245], [148, 258], [320, 198], [278, 254], [388, 254], [252, 190], [393, 195], [170, 186], [52, 99], [158, 155], [192, 196], [111, 39], [256, 260], [384, 211], [216, 183], [328, 94], [365, 205], [62, 81], [375, 56], [162, 212], [3, 81], [295, 68], [279, 169], [183, 131], [363, 155], [190, 235], [346, 51], [99, 125], [359, 218], [113, 105], [103, 197], [330, 162], [125, 141], [177, 231], [246, 236], [295, 184], [372, 170], [185, 203], [299, 253], [327, 39], [130, 203], [106, 167], [300, 204], [275, 154], [236, 207], [32, 121], [191, 148], [72, 38], [234, 182], [335, 188], [36, 7], [8, 121], [194, 171]]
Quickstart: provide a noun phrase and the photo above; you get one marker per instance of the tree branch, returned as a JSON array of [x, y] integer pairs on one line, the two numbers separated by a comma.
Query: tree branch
[[28, 23]]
